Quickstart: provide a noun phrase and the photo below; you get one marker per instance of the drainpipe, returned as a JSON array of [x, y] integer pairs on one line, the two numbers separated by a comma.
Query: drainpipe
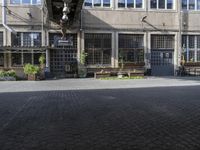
[[4, 22]]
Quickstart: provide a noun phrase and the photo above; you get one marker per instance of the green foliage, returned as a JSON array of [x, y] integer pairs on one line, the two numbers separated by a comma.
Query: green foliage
[[83, 57], [9, 73], [123, 78], [30, 69], [42, 59]]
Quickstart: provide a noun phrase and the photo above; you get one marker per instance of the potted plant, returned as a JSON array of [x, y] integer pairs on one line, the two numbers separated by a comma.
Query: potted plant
[[31, 71], [82, 70], [42, 60], [9, 75]]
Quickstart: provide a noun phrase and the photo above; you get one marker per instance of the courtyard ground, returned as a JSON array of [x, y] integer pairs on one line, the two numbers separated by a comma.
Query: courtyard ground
[[89, 114]]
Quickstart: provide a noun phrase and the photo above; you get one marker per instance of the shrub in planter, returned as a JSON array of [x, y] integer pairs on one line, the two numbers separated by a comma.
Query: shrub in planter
[[31, 71], [9, 75], [42, 60], [82, 70]]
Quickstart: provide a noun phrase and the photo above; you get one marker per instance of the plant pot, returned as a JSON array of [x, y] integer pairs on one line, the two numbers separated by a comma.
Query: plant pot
[[32, 77]]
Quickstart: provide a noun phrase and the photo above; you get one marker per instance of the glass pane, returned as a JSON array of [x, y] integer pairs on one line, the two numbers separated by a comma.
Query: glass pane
[[106, 3], [198, 55], [198, 41], [1, 59], [121, 3], [1, 38], [184, 41], [36, 58], [198, 4], [26, 1], [161, 4], [191, 41], [88, 3], [15, 1], [16, 59], [97, 3], [139, 3], [36, 1], [154, 4], [27, 58], [184, 4], [26, 39], [130, 3], [191, 4], [169, 4], [36, 39]]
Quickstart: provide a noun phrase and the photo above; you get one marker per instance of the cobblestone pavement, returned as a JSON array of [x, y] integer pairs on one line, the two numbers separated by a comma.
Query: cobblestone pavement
[[156, 118], [82, 84]]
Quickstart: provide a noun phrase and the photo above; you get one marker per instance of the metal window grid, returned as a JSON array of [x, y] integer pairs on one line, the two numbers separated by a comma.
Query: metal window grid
[[131, 48], [99, 47], [162, 41]]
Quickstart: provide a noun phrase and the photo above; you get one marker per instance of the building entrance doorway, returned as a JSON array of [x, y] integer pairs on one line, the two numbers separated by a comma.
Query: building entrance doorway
[[162, 55], [162, 63], [63, 56]]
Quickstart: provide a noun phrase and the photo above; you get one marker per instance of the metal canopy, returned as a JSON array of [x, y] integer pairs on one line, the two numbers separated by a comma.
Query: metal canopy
[[55, 10]]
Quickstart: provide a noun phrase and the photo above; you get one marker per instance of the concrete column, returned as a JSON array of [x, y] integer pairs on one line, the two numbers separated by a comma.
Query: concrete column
[[148, 38], [79, 46], [116, 50], [113, 56]]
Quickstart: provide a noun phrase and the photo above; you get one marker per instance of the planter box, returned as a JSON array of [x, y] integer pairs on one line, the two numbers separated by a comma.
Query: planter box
[[7, 79], [32, 77], [98, 75]]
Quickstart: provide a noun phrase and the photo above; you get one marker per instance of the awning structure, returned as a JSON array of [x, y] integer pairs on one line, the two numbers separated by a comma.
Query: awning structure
[[55, 10]]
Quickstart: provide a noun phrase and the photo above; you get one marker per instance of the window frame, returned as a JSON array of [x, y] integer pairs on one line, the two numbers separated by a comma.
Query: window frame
[[101, 4], [136, 49], [186, 47], [98, 48], [196, 8], [21, 3], [165, 8], [23, 43], [126, 5]]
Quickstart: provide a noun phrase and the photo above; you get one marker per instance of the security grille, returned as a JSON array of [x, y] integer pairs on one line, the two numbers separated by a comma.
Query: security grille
[[162, 42], [131, 48], [162, 55], [63, 59], [98, 47]]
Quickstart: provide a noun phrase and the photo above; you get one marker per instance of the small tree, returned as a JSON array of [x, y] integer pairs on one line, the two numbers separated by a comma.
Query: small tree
[[42, 60], [83, 57], [82, 71], [31, 71]]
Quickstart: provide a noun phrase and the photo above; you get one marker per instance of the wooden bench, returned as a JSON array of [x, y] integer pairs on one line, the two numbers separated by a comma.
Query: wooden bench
[[192, 70], [98, 75]]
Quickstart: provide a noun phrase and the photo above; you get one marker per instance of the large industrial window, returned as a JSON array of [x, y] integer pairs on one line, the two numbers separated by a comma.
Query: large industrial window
[[22, 57], [131, 48], [162, 41], [26, 2], [191, 4], [162, 4], [1, 39], [130, 3], [97, 3], [98, 47], [1, 59], [191, 48], [27, 39]]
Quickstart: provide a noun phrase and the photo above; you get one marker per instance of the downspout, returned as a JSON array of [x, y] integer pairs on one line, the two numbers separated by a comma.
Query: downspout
[[4, 21]]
